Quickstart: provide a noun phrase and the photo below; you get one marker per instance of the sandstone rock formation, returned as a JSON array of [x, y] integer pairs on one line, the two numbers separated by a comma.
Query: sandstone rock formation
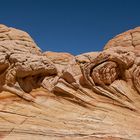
[[58, 96]]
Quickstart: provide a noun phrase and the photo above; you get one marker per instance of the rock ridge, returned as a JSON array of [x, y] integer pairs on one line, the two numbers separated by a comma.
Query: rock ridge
[[51, 95]]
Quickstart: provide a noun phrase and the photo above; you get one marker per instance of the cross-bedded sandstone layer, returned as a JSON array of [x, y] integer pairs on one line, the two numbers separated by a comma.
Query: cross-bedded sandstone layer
[[49, 95]]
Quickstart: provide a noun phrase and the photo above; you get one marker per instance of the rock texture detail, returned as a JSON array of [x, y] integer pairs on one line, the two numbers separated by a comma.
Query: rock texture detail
[[49, 95]]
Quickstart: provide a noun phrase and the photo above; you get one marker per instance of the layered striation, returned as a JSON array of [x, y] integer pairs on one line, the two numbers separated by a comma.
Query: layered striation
[[50, 95]]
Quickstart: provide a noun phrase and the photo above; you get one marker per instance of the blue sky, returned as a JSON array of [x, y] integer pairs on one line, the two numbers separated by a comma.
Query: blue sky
[[74, 26]]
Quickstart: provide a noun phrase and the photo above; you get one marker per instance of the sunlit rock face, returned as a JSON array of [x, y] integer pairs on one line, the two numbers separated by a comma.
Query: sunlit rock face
[[50, 95]]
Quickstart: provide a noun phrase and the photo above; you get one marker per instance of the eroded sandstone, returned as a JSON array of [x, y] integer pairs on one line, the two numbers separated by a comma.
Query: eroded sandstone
[[92, 96]]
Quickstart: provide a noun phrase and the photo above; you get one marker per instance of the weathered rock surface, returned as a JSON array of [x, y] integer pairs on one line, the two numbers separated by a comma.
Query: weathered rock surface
[[58, 96]]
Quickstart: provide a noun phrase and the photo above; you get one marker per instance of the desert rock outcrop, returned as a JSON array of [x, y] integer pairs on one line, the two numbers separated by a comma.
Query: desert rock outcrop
[[50, 95]]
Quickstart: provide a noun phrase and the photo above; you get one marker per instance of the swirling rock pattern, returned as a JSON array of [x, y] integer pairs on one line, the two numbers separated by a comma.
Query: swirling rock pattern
[[50, 95], [106, 73]]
